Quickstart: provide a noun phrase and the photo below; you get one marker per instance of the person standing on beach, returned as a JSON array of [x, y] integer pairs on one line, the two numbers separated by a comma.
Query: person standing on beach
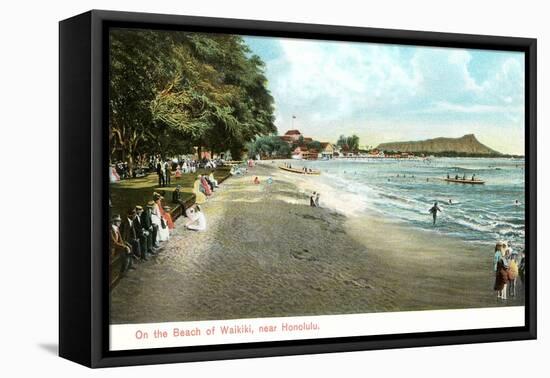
[[434, 211], [312, 199], [521, 268], [500, 266], [513, 272], [317, 199]]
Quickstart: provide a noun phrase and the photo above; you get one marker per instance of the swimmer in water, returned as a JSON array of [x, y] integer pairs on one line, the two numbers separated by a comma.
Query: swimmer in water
[[434, 211], [450, 201]]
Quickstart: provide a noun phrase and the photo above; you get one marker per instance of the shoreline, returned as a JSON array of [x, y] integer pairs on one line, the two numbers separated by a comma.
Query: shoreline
[[261, 258]]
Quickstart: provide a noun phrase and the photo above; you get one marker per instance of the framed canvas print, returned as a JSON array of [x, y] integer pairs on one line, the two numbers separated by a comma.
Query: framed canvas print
[[234, 188]]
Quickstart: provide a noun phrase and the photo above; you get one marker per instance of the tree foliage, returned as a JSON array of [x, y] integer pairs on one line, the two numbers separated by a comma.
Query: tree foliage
[[349, 142], [172, 91], [314, 145], [269, 146]]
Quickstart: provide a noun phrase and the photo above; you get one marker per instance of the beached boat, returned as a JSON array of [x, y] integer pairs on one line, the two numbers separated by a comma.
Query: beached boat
[[301, 171], [467, 181]]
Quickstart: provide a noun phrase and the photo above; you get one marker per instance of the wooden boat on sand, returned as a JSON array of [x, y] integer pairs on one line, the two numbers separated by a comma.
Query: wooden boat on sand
[[300, 171], [467, 181]]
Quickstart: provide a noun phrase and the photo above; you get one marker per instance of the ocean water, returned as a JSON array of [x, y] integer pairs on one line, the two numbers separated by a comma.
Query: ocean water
[[478, 213]]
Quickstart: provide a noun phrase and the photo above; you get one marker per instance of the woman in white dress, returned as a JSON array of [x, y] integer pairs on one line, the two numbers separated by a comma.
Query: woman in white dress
[[163, 233], [197, 220], [213, 180]]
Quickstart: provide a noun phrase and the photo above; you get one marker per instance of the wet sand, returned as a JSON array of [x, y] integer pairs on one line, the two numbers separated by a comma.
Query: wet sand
[[267, 253]]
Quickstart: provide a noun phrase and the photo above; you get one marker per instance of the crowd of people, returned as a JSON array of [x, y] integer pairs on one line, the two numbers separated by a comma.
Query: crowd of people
[[121, 171], [181, 166], [138, 235], [163, 167], [507, 266]]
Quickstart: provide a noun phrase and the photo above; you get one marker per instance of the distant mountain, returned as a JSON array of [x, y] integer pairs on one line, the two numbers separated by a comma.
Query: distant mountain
[[468, 144]]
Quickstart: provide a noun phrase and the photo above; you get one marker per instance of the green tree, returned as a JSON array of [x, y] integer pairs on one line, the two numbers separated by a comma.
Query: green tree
[[269, 146], [351, 142], [315, 145], [172, 91], [139, 62]]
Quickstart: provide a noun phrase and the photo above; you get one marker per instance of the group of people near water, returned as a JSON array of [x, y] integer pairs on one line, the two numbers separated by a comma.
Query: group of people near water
[[314, 199], [507, 266], [463, 178]]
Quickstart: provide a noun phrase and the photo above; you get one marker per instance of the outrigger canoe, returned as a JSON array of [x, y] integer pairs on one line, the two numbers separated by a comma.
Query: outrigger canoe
[[467, 181], [301, 171]]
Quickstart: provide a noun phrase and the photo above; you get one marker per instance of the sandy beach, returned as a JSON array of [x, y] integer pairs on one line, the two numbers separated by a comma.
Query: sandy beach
[[267, 253]]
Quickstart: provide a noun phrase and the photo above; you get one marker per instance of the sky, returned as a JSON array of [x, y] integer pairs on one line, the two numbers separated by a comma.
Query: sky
[[388, 93]]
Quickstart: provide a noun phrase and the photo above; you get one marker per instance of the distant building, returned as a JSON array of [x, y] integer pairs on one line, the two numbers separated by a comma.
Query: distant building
[[294, 135], [312, 154], [298, 153], [303, 153], [327, 150], [375, 153], [287, 138], [206, 155]]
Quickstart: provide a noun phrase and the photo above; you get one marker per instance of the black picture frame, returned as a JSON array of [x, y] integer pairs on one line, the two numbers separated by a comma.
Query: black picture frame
[[83, 100]]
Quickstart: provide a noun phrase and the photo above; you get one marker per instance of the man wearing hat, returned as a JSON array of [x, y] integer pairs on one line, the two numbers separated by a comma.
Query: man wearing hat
[[167, 172], [176, 198], [144, 236], [147, 224], [119, 246], [129, 235], [160, 173]]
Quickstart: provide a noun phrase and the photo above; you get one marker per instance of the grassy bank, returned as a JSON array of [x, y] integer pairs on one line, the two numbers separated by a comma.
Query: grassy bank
[[127, 194]]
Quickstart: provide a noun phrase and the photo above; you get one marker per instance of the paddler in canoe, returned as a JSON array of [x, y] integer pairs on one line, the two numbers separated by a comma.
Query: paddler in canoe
[[464, 180]]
